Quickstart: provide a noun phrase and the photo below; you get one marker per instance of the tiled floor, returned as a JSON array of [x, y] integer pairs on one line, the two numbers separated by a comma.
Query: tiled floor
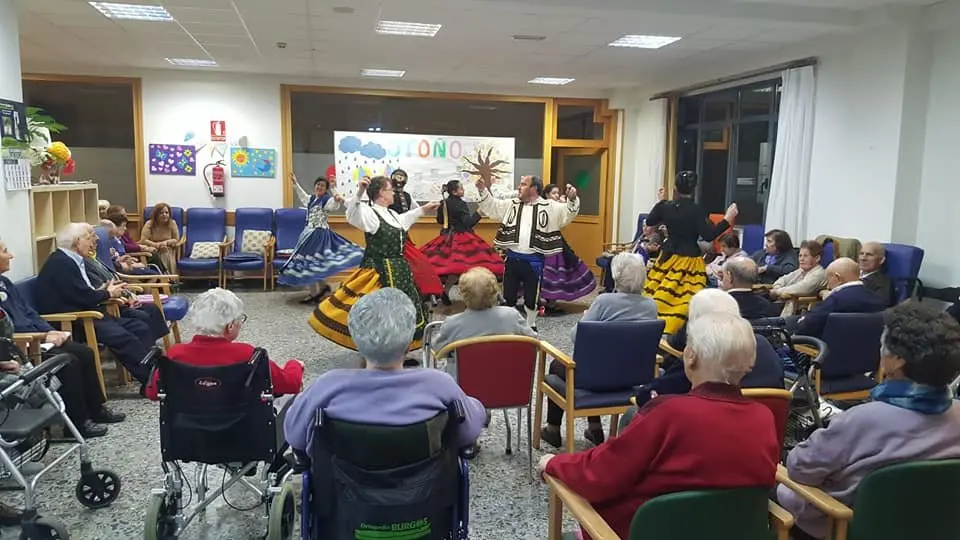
[[505, 502]]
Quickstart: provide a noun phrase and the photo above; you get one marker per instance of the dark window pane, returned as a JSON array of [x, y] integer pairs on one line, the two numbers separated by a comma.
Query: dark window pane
[[754, 158], [687, 150], [576, 122], [755, 101], [689, 110], [719, 107]]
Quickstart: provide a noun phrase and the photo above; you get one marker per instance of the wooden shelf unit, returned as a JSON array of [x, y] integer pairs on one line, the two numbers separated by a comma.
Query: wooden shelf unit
[[52, 208]]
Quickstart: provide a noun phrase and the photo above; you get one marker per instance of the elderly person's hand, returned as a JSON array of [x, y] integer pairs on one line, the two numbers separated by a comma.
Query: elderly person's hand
[[56, 338], [10, 366], [542, 464]]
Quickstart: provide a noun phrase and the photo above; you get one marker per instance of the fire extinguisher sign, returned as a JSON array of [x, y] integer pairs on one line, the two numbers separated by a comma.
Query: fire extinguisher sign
[[218, 131]]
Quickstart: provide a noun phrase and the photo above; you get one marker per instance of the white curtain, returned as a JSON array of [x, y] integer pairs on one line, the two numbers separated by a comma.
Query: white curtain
[[790, 183], [649, 140]]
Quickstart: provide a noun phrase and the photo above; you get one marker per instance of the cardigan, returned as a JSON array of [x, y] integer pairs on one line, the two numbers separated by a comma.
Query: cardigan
[[802, 283], [549, 217], [711, 438]]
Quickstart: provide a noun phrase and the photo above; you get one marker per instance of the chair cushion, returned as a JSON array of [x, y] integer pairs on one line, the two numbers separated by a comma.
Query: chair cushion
[[175, 308], [254, 240], [585, 399], [852, 383], [205, 250], [248, 263], [198, 265], [604, 261]]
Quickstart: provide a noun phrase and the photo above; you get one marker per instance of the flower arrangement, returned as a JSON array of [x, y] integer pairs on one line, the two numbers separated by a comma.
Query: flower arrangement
[[55, 160]]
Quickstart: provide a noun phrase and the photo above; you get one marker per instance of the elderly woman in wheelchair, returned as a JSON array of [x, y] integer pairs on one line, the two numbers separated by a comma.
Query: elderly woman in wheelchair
[[366, 437]]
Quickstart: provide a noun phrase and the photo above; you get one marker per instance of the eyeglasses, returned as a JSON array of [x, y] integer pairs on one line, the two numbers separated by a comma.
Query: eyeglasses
[[242, 319]]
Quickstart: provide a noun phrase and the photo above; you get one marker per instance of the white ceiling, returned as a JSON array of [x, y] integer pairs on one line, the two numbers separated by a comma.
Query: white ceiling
[[474, 48]]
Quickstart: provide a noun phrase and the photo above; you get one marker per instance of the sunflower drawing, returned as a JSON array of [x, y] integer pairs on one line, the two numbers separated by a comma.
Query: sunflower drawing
[[240, 158]]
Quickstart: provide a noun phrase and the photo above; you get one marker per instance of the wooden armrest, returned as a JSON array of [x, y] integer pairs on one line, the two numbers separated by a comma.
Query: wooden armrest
[[586, 515], [148, 277], [152, 286], [182, 240], [114, 302], [633, 400], [762, 286], [139, 254], [808, 299], [780, 519], [666, 348], [29, 335], [558, 354], [135, 288], [807, 350], [815, 496], [60, 317]]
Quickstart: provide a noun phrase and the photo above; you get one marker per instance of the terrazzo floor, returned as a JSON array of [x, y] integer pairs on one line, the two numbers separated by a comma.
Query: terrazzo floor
[[505, 502]]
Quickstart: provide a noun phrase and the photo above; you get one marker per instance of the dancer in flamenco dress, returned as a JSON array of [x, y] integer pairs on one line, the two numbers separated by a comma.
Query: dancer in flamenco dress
[[383, 265], [427, 280], [320, 252], [457, 249], [565, 276]]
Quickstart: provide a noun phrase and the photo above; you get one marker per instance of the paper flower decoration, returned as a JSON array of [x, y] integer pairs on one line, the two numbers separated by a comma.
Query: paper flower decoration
[[59, 152]]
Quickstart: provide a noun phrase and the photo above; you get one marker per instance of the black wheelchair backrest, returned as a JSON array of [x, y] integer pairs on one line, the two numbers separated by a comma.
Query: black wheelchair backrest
[[216, 414]]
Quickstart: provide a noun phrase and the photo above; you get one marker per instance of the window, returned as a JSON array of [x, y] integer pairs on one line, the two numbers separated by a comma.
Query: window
[[728, 137], [316, 116], [100, 131]]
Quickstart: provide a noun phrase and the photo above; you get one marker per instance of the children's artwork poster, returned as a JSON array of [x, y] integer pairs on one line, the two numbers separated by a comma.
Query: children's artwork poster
[[13, 120], [173, 159], [253, 162], [429, 160]]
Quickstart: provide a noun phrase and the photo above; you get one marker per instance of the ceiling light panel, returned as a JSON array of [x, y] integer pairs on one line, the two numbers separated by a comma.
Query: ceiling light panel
[[132, 12], [400, 28], [637, 41], [553, 81], [192, 62], [394, 73]]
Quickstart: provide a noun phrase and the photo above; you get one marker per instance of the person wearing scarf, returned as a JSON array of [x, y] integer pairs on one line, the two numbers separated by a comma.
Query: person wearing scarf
[[913, 416]]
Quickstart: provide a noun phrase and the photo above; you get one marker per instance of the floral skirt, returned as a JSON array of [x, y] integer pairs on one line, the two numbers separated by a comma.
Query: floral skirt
[[672, 282], [320, 254]]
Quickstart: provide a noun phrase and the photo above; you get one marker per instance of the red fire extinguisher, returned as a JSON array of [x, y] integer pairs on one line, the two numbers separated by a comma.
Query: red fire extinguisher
[[215, 181]]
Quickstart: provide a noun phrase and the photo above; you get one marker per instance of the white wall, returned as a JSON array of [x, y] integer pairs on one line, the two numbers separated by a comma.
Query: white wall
[[176, 102], [112, 169], [14, 205], [939, 220]]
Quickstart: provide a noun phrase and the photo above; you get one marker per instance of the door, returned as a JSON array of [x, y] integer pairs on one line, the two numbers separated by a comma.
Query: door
[[586, 169]]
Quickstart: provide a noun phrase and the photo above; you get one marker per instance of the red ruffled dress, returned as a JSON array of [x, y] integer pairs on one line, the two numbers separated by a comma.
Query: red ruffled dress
[[457, 249], [424, 276]]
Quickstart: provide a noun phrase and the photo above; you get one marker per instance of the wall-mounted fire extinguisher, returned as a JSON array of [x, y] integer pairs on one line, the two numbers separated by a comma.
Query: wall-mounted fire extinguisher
[[215, 179]]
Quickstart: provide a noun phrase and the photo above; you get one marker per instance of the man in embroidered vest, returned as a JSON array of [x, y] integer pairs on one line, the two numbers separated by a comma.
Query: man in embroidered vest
[[529, 230]]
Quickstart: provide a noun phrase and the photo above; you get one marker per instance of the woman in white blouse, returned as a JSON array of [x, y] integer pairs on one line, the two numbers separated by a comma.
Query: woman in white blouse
[[383, 262], [807, 280]]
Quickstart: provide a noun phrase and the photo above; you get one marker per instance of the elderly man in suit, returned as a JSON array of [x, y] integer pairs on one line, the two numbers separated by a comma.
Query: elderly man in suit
[[737, 277], [847, 295], [872, 257], [63, 285]]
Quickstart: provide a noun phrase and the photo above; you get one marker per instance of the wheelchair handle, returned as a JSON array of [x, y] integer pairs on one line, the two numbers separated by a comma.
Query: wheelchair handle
[[816, 343], [45, 369]]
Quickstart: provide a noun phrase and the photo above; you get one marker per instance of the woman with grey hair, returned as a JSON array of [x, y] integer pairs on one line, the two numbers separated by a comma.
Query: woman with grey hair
[[217, 316], [626, 303], [710, 438], [382, 325]]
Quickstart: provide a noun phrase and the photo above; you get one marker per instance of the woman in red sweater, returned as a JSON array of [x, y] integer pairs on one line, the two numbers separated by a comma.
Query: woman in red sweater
[[711, 438], [218, 318]]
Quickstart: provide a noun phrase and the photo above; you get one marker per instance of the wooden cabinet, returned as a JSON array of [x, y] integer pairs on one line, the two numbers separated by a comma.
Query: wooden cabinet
[[54, 207]]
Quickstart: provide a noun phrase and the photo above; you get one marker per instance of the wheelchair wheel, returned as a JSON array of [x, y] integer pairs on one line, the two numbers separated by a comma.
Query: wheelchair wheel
[[283, 515], [98, 488], [44, 528], [158, 523]]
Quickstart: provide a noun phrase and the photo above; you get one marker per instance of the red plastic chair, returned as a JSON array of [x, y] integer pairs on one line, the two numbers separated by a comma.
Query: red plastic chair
[[498, 371]]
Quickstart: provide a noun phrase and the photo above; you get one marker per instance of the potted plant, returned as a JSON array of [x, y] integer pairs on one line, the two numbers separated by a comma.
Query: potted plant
[[52, 158]]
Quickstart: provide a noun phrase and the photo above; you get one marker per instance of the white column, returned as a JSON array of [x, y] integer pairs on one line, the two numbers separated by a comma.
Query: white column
[[14, 206]]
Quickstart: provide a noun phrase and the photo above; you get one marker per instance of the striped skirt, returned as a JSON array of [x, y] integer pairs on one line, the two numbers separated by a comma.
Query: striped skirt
[[672, 283]]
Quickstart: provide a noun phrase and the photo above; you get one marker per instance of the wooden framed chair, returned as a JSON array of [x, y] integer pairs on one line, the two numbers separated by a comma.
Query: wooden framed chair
[[723, 514], [851, 367], [908, 500], [778, 401], [290, 223], [498, 371], [209, 226], [612, 358], [252, 246]]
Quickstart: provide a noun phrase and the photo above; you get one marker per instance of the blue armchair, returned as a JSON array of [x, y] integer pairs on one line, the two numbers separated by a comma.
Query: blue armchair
[[903, 268], [253, 254], [851, 367], [290, 223], [752, 241], [607, 371], [206, 225], [176, 214], [829, 253]]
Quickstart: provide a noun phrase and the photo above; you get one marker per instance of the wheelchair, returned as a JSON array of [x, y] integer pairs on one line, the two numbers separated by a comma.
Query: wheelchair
[[377, 482], [806, 405], [221, 416], [29, 406]]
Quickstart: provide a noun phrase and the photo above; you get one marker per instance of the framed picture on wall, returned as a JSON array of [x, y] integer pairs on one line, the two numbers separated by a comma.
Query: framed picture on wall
[[13, 121]]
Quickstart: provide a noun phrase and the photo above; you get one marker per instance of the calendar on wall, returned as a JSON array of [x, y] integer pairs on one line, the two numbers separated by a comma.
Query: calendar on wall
[[16, 170]]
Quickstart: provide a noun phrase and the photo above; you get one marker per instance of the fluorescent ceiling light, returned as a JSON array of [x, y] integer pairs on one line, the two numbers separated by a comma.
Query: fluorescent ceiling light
[[644, 42], [192, 62], [133, 12], [399, 28], [396, 73], [555, 81]]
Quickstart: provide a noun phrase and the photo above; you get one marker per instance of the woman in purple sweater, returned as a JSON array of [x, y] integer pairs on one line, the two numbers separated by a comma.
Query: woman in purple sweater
[[912, 417], [382, 325]]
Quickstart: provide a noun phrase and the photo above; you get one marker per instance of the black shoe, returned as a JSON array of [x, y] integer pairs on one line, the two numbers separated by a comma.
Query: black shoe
[[90, 430], [446, 300], [311, 299], [106, 416], [552, 437], [534, 328], [471, 452], [10, 516], [594, 435], [411, 363]]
